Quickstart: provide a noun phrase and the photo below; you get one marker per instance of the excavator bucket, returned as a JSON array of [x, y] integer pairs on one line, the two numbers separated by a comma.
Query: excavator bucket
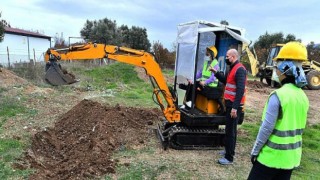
[[56, 76]]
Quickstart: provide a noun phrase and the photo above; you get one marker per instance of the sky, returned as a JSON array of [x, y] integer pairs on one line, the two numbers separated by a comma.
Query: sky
[[161, 17]]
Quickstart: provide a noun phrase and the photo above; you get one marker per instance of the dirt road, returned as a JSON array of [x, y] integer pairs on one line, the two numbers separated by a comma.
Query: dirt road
[[258, 94]]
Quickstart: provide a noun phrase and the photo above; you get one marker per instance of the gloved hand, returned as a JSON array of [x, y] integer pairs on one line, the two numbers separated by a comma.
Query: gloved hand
[[253, 158]]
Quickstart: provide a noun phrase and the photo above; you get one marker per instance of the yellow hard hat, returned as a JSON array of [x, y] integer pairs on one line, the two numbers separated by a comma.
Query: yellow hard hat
[[214, 50], [294, 51]]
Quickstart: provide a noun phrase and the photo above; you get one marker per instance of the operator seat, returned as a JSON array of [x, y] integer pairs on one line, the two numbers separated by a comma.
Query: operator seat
[[216, 94]]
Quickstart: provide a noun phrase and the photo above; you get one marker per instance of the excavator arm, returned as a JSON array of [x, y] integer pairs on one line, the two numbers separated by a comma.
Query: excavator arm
[[121, 54], [254, 63]]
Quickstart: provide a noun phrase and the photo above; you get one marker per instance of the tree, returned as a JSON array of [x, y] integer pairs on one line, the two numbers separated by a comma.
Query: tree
[[1, 32], [158, 52], [313, 51], [107, 31], [162, 55], [125, 34], [86, 30], [138, 38], [3, 23], [224, 22], [101, 31], [59, 41], [264, 42]]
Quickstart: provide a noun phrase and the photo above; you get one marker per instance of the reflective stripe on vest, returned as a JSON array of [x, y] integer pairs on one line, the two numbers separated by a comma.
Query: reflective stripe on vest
[[231, 87], [289, 146], [288, 133], [284, 147], [233, 93], [206, 73]]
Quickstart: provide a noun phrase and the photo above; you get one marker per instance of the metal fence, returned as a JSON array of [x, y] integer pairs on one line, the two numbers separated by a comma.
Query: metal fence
[[12, 57]]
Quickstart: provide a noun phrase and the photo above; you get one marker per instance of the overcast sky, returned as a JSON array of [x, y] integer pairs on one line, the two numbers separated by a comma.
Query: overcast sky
[[161, 17]]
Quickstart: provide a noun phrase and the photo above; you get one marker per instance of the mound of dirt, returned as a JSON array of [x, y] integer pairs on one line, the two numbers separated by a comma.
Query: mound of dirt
[[9, 79], [81, 143], [256, 84], [258, 87]]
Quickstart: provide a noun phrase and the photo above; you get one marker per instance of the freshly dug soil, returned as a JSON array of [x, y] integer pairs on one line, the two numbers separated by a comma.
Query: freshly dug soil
[[9, 79], [81, 143], [256, 84]]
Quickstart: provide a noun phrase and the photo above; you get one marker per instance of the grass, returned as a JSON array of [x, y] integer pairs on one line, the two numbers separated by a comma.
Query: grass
[[33, 73], [9, 107], [168, 72], [141, 167], [113, 76], [251, 78], [10, 149], [123, 81], [310, 162]]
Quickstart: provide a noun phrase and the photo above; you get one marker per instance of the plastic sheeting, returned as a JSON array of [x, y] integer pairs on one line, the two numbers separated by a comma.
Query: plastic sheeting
[[190, 54]]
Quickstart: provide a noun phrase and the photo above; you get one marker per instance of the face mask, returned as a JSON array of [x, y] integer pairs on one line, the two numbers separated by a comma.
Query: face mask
[[275, 78], [207, 58], [228, 61]]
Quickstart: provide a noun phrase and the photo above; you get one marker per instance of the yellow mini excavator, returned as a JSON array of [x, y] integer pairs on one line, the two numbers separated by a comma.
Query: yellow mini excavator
[[198, 125]]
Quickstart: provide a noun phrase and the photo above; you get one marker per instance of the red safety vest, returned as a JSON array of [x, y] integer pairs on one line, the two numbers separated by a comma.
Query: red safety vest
[[231, 87]]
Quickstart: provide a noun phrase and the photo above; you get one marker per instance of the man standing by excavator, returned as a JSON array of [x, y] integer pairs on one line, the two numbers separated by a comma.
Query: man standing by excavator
[[234, 96], [278, 148]]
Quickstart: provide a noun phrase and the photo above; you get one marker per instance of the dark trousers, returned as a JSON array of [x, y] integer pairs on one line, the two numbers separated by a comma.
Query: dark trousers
[[199, 88], [262, 172], [231, 133]]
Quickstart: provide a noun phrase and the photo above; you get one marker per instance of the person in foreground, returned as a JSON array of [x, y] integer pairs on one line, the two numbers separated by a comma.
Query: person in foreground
[[278, 147], [234, 96]]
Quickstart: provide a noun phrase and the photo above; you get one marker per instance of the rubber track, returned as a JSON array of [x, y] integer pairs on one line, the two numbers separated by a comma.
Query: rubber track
[[194, 132]]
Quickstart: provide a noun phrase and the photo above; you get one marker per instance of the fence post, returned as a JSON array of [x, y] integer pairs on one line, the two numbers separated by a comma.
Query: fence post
[[34, 56], [28, 49], [8, 56]]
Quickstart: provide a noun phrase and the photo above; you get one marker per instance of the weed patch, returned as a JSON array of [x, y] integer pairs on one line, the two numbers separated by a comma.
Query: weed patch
[[9, 107], [10, 149], [109, 77]]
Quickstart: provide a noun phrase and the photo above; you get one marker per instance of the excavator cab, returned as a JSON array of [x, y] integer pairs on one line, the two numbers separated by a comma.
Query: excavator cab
[[266, 70], [192, 41], [205, 113]]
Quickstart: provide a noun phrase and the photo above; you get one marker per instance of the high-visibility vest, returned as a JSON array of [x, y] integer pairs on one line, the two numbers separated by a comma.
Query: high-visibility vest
[[283, 148], [231, 87], [206, 73]]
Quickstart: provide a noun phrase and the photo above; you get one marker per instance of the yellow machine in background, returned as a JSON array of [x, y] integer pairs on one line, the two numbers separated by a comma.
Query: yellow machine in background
[[264, 71]]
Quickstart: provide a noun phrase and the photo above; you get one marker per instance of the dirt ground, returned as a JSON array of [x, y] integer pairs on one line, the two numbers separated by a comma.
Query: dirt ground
[[8, 78], [78, 137], [81, 143], [259, 92]]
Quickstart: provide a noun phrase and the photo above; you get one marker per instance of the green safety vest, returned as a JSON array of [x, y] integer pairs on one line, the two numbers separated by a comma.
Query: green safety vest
[[206, 73], [284, 147]]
